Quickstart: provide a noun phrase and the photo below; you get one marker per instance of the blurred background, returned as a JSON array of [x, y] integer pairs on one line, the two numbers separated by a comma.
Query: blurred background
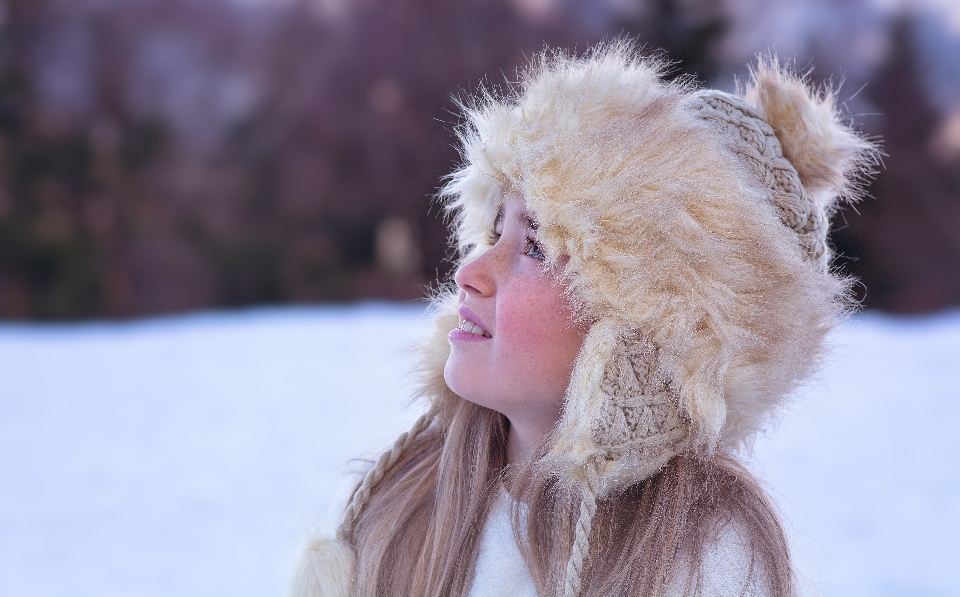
[[165, 162], [160, 156]]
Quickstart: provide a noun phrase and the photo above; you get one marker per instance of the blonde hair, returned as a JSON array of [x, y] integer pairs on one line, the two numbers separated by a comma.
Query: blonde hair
[[418, 534], [695, 225]]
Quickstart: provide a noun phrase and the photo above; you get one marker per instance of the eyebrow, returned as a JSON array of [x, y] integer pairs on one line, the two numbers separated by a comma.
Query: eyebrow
[[524, 218], [528, 221]]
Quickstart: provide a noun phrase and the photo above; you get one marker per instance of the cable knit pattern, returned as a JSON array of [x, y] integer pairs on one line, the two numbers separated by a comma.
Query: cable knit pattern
[[756, 143], [641, 410]]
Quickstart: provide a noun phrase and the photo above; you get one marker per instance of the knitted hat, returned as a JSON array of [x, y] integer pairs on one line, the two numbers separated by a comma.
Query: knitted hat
[[695, 225]]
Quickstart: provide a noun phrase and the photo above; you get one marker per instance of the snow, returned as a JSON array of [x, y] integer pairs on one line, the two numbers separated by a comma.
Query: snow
[[191, 455], [866, 466]]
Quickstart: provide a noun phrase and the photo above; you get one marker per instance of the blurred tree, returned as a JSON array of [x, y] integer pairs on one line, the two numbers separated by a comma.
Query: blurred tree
[[49, 265], [905, 238], [164, 155]]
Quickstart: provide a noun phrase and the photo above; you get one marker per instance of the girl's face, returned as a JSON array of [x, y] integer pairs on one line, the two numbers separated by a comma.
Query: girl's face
[[516, 344]]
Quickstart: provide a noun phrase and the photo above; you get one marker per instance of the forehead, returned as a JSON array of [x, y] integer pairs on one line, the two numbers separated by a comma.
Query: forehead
[[515, 208]]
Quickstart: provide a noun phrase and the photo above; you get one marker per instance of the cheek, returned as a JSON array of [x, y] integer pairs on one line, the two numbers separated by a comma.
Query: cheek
[[538, 337]]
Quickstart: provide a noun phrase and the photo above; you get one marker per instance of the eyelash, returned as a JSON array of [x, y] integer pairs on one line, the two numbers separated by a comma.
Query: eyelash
[[531, 248]]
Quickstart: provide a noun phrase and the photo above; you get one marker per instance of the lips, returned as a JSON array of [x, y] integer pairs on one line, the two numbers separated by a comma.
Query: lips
[[472, 328], [471, 324]]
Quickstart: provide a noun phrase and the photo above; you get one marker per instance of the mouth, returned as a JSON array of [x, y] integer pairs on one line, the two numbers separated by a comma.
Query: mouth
[[469, 324], [471, 328]]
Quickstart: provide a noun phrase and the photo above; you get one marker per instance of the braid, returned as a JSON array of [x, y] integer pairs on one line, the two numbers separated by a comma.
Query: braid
[[384, 463], [581, 544]]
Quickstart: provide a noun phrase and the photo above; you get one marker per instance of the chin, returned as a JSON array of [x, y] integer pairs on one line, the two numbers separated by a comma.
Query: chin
[[454, 378], [467, 385]]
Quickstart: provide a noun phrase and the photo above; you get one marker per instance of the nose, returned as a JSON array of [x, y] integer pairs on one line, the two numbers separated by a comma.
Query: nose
[[478, 276]]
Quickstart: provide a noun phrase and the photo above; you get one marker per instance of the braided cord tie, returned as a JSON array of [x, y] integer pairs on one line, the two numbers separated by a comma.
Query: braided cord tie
[[756, 143], [386, 460], [581, 543]]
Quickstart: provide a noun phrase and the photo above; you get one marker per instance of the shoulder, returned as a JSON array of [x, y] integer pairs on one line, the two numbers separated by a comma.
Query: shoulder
[[325, 569], [728, 568]]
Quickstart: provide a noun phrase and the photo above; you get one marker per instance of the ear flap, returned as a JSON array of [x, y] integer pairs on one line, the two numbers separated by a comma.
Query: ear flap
[[623, 399], [641, 402]]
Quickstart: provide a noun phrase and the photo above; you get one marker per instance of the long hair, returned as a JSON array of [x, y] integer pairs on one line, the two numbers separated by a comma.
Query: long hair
[[419, 532]]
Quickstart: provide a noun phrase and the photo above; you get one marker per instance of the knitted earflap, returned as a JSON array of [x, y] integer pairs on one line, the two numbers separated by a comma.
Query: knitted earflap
[[626, 419], [639, 416], [636, 425]]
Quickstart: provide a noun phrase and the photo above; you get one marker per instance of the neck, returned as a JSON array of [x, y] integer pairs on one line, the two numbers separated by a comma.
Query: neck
[[522, 440]]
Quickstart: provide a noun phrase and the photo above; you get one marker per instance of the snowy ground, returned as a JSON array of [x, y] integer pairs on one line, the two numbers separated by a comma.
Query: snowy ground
[[188, 456]]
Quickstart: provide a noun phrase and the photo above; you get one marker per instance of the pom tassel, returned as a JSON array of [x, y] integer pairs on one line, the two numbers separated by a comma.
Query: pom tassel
[[325, 569]]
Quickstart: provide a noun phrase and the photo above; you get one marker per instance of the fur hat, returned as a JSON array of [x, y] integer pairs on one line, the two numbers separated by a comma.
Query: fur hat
[[696, 228], [695, 225]]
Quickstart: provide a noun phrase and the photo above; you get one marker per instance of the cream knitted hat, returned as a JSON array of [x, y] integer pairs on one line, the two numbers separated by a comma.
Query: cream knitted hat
[[695, 223]]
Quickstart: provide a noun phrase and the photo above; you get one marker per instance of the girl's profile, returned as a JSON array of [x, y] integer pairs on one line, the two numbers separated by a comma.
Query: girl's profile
[[644, 276]]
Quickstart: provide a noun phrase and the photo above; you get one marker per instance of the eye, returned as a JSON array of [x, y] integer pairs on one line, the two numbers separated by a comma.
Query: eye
[[533, 249], [497, 231]]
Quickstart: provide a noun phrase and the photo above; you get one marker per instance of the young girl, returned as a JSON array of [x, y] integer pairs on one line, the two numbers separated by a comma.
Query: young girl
[[643, 278]]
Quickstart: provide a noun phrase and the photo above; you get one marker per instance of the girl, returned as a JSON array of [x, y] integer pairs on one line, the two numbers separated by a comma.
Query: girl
[[644, 277]]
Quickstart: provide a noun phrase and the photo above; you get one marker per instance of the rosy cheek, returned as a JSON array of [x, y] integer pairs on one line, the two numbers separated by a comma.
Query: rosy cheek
[[531, 324]]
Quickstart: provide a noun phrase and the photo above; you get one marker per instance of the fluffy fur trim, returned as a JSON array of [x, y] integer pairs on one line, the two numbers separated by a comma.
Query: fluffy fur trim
[[706, 309], [325, 569]]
